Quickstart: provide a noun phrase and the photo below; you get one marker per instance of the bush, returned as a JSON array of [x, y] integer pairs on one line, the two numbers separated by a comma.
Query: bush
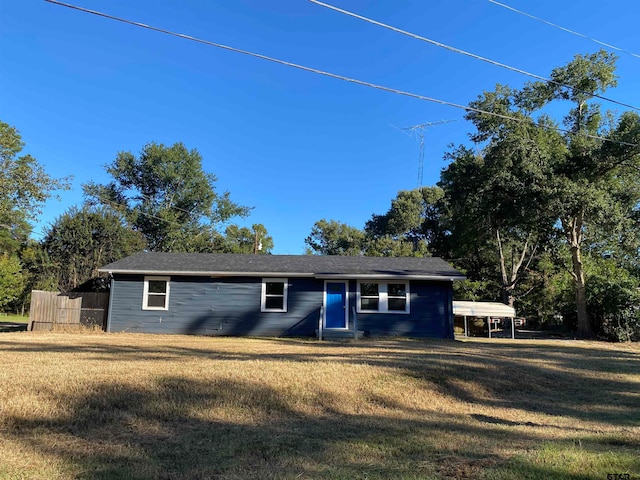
[[613, 301]]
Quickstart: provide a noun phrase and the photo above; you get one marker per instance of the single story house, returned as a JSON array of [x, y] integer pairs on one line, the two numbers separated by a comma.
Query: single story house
[[280, 295]]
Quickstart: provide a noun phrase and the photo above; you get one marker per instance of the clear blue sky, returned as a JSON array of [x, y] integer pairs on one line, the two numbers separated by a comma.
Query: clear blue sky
[[297, 146]]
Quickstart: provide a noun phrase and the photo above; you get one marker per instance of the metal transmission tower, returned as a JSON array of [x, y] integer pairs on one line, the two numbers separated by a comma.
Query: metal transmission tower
[[418, 132]]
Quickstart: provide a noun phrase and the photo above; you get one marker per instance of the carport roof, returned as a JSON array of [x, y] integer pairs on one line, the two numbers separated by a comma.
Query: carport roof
[[482, 309]]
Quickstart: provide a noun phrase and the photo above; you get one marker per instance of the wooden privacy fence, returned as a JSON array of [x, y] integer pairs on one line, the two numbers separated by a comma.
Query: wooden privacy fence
[[50, 309]]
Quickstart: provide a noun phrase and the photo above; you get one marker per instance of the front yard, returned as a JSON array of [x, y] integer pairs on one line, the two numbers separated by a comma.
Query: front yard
[[100, 406]]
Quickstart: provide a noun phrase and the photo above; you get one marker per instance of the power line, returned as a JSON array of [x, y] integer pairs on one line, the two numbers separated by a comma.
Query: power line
[[608, 45], [469, 54], [333, 75], [117, 206]]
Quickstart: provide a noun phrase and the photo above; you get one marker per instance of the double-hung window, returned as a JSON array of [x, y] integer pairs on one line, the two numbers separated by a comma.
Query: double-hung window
[[156, 293], [383, 297], [274, 295], [369, 296]]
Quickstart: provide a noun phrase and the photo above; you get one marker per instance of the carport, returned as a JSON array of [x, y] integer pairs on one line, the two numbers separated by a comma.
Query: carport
[[486, 310]]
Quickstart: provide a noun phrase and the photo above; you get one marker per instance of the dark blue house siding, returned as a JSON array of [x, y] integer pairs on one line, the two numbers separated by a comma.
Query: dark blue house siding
[[431, 316], [215, 306], [231, 306]]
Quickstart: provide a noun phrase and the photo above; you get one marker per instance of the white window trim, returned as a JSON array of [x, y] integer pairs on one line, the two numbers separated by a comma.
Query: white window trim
[[383, 298], [263, 295], [145, 294]]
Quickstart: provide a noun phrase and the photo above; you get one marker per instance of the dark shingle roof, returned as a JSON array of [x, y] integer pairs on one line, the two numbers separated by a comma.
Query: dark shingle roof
[[156, 263]]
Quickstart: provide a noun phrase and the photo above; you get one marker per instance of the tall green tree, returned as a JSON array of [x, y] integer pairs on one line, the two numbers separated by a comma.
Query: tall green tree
[[613, 296], [498, 197], [390, 246], [254, 240], [24, 188], [11, 280], [167, 196], [587, 176], [413, 226], [82, 240], [38, 272], [330, 237], [415, 219]]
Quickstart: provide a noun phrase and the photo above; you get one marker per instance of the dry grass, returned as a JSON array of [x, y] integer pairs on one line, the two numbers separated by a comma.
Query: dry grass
[[112, 406]]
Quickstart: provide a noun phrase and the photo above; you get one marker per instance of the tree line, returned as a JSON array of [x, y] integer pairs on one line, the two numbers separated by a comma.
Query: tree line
[[540, 209], [540, 214], [161, 200]]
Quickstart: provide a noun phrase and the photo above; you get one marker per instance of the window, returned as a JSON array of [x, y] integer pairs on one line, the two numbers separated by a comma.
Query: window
[[274, 295], [396, 297], [156, 293], [369, 297], [383, 297]]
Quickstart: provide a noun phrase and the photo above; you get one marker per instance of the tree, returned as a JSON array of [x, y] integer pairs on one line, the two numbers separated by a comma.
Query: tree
[[38, 273], [11, 279], [588, 176], [247, 240], [82, 240], [498, 198], [335, 238], [167, 196], [613, 296], [24, 187], [388, 246], [415, 219]]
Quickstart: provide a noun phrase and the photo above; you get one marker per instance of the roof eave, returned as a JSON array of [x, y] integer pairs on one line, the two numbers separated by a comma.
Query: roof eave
[[325, 276], [372, 276], [203, 273]]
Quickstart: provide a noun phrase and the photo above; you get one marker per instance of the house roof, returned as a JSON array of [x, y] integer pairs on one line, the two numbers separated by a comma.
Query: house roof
[[319, 266]]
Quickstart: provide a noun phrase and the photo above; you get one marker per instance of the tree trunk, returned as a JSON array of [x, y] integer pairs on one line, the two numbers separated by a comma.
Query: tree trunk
[[584, 324], [510, 278], [573, 229]]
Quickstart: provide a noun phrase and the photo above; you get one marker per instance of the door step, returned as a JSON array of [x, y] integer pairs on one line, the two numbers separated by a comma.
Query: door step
[[328, 334]]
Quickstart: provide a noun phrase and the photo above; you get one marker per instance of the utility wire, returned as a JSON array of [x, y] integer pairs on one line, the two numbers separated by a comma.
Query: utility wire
[[117, 206], [469, 54], [331, 75], [608, 45]]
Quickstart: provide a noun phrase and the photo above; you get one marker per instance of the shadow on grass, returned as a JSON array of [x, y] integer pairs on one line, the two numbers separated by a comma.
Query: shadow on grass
[[181, 428], [591, 384], [6, 327]]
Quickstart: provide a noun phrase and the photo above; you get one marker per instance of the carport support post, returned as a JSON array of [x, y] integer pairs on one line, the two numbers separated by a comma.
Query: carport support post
[[489, 325], [466, 328], [513, 328]]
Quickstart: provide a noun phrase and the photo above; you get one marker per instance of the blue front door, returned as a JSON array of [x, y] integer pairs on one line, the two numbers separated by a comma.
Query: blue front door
[[336, 305]]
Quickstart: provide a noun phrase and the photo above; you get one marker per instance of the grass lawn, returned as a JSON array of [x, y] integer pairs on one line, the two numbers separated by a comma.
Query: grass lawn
[[11, 317], [114, 406], [13, 323]]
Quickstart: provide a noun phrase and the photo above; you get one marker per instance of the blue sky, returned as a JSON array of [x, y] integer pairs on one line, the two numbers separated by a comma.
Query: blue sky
[[297, 146]]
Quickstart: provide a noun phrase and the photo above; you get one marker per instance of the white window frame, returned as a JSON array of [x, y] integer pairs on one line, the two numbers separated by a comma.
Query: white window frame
[[383, 297], [263, 295], [145, 294]]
